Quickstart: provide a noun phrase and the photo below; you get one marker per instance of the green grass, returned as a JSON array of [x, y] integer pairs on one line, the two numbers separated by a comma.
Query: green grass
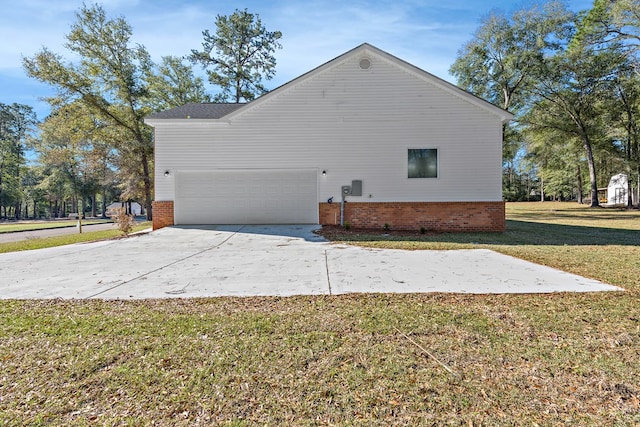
[[68, 239], [522, 360], [43, 225]]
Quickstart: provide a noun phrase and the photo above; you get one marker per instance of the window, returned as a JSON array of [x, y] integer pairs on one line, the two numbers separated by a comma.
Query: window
[[423, 163]]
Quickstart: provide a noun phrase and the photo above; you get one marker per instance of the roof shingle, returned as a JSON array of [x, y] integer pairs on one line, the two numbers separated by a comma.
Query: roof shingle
[[197, 111]]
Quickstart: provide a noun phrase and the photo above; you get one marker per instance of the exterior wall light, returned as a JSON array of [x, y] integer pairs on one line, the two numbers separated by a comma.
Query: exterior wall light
[[324, 173], [167, 173]]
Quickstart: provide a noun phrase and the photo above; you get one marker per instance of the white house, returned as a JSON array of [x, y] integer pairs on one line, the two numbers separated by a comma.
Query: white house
[[413, 150]]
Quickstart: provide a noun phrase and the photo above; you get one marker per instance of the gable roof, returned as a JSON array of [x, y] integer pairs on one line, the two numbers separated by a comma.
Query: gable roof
[[228, 111]]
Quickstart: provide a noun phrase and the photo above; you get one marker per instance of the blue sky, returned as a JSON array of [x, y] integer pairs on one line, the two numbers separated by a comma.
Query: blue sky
[[426, 33]]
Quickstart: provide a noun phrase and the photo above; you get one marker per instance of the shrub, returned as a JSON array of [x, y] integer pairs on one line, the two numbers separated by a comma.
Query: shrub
[[124, 221]]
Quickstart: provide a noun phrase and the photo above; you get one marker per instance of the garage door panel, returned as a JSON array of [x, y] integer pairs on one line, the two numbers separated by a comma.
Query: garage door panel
[[247, 197]]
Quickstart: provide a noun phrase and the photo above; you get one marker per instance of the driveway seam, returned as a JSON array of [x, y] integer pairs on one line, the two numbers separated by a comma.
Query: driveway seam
[[165, 266], [326, 265]]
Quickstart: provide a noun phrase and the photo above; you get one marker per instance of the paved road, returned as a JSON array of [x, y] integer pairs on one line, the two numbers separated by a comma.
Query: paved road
[[184, 262], [35, 234]]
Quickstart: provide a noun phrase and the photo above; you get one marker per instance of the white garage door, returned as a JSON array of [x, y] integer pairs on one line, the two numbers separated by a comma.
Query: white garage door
[[264, 196]]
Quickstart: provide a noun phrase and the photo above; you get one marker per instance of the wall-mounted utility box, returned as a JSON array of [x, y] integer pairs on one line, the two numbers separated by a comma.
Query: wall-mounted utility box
[[346, 190], [356, 187]]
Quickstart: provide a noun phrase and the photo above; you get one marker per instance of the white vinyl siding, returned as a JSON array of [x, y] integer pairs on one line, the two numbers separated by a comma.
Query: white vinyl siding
[[355, 125]]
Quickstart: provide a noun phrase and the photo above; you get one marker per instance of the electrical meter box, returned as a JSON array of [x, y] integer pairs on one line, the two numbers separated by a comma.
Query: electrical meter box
[[356, 188], [346, 190]]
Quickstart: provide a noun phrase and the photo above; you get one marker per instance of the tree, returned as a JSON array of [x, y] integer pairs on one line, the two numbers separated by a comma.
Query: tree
[[33, 194], [572, 94], [72, 142], [109, 82], [501, 63], [16, 122], [557, 157], [612, 21], [240, 55], [172, 84], [623, 118], [615, 24], [56, 189]]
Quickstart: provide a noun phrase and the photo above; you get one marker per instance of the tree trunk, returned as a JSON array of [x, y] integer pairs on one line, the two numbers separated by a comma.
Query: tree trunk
[[1, 204], [94, 211], [592, 172], [541, 189], [104, 202], [629, 192], [580, 201], [147, 186], [638, 189]]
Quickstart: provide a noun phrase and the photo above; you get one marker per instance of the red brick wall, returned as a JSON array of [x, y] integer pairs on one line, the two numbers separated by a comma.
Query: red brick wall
[[329, 213], [436, 216], [162, 214], [433, 216]]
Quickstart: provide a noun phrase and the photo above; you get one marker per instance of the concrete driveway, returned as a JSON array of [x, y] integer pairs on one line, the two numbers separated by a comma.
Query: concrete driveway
[[263, 260]]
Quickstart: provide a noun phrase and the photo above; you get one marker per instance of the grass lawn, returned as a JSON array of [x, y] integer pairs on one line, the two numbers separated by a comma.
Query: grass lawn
[[428, 359], [67, 239], [11, 227]]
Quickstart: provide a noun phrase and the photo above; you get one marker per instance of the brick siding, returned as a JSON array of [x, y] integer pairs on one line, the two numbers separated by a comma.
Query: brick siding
[[162, 214], [433, 216]]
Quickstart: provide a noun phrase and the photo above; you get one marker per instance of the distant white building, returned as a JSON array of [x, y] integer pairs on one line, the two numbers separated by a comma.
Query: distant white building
[[617, 191], [136, 209]]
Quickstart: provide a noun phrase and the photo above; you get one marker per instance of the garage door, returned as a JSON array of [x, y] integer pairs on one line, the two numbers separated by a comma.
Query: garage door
[[265, 196]]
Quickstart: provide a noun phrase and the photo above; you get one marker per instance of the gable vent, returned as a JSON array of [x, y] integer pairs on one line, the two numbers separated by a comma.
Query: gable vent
[[365, 63]]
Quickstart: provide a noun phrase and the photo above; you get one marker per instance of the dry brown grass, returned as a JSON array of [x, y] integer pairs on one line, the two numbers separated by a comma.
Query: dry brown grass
[[557, 359], [517, 360]]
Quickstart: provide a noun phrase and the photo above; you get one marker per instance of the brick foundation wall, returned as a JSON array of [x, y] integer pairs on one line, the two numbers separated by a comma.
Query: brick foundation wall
[[162, 214], [433, 216], [329, 213]]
